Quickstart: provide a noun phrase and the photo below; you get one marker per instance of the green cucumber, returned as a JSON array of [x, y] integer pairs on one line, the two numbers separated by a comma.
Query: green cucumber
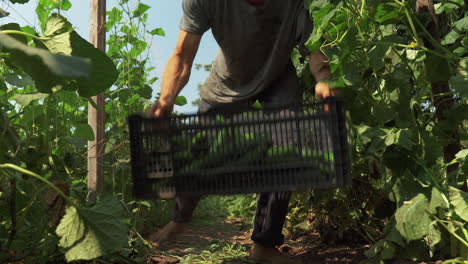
[[314, 154]]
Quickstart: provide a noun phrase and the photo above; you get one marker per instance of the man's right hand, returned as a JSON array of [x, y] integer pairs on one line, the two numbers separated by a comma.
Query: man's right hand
[[160, 108]]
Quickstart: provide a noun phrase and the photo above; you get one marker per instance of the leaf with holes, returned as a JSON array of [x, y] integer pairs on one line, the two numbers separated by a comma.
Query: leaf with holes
[[412, 220], [26, 99], [65, 40]]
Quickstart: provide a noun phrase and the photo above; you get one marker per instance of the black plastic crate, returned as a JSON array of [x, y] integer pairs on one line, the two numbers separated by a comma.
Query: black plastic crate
[[262, 150]]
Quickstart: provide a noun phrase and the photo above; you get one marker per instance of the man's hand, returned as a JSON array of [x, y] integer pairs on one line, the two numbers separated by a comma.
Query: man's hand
[[160, 109], [323, 90]]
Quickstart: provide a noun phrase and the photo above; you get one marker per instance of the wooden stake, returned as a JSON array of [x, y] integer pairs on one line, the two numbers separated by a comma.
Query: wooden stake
[[443, 100], [96, 117]]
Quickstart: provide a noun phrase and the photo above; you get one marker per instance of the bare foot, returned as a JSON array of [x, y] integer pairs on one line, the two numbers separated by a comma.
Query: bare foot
[[168, 232], [270, 255]]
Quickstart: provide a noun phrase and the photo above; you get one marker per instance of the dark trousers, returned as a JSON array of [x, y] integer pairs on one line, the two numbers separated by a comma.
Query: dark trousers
[[272, 207]]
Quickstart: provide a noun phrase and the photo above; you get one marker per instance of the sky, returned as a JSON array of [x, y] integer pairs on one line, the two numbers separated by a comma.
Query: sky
[[163, 13]]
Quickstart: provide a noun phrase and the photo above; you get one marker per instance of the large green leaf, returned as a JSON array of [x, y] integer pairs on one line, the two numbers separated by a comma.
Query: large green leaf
[[56, 25], [45, 7], [459, 82], [389, 251], [14, 26], [400, 137], [79, 142], [459, 200], [377, 56], [459, 27], [65, 5], [65, 40], [22, 80], [386, 13], [412, 220], [47, 69], [30, 30], [407, 186], [140, 9], [19, 1], [88, 233], [437, 69], [3, 87], [448, 6], [321, 18], [434, 236], [415, 250], [395, 237], [438, 199], [26, 99], [113, 17], [84, 131], [180, 100], [369, 134], [375, 249], [157, 31], [381, 138]]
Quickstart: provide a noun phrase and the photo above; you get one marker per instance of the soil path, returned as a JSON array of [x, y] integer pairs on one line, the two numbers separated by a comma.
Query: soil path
[[203, 235]]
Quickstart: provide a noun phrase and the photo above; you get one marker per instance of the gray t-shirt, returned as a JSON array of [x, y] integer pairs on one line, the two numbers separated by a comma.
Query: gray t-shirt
[[255, 43]]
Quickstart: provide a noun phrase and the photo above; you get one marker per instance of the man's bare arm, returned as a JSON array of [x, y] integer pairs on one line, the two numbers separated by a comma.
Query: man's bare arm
[[320, 69], [319, 66], [176, 73]]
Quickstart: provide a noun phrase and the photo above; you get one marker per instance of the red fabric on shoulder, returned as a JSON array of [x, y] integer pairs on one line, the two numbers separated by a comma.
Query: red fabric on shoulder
[[256, 2]]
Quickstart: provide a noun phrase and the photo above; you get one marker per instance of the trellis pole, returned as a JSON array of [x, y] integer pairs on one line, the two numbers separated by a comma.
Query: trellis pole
[[96, 113]]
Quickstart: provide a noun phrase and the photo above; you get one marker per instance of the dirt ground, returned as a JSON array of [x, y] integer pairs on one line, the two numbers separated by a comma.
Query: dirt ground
[[201, 235]]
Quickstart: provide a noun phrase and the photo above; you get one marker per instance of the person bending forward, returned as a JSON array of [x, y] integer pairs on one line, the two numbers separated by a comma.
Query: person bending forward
[[256, 39]]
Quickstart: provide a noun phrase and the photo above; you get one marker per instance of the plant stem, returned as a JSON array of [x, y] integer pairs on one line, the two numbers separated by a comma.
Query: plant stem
[[17, 32], [435, 42], [451, 232], [399, 3], [409, 46], [413, 28], [42, 179], [363, 4], [433, 52], [12, 234]]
